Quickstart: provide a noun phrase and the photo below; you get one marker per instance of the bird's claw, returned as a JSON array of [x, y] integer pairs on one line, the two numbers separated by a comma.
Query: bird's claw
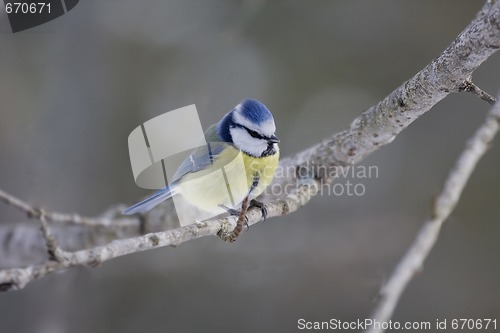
[[262, 206]]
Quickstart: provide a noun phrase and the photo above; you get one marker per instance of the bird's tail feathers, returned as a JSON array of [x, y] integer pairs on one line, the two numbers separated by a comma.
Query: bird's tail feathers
[[152, 201]]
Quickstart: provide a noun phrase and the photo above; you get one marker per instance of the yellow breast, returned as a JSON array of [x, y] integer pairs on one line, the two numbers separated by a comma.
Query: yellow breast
[[228, 180], [260, 169]]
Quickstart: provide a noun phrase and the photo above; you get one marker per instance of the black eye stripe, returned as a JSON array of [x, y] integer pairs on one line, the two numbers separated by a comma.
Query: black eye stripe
[[253, 133]]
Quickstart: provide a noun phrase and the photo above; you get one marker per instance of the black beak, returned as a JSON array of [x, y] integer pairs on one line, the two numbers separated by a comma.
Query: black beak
[[273, 139]]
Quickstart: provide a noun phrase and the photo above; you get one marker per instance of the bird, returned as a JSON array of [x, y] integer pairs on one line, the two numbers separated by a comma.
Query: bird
[[243, 144]]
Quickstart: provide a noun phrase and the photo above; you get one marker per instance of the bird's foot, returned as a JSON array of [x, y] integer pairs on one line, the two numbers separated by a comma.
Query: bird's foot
[[240, 223], [235, 212], [262, 206]]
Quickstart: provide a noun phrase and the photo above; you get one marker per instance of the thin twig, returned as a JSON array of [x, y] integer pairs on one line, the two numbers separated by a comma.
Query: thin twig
[[68, 219], [53, 249], [469, 86], [413, 260]]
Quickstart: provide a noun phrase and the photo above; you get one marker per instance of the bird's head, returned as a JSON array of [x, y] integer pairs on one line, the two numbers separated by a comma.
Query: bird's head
[[250, 127]]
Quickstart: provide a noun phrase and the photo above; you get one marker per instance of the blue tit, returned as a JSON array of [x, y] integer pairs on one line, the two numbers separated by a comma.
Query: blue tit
[[246, 132]]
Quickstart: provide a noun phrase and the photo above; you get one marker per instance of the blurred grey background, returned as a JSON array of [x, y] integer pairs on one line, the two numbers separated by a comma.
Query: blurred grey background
[[74, 88]]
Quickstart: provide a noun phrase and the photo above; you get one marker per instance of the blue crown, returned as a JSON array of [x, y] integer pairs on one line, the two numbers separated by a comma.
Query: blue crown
[[250, 109], [254, 111]]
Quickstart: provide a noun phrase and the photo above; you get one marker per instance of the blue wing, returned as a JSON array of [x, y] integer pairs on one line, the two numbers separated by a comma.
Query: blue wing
[[200, 159]]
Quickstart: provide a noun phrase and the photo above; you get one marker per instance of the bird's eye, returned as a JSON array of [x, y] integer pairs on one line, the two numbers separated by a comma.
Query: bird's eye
[[254, 134]]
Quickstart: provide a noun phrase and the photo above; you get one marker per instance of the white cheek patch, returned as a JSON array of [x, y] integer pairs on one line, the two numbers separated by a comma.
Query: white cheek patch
[[266, 128], [243, 141]]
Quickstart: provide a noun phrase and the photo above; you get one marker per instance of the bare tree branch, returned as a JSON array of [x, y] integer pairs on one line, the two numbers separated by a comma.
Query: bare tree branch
[[315, 166], [380, 124], [413, 260], [17, 278]]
